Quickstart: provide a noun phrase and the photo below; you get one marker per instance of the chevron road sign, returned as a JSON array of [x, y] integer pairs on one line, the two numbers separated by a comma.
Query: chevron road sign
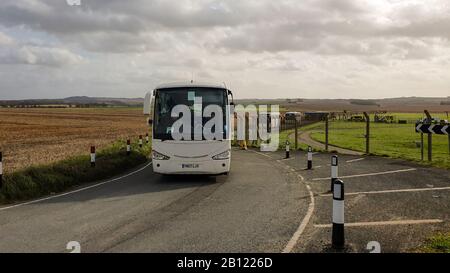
[[433, 128]]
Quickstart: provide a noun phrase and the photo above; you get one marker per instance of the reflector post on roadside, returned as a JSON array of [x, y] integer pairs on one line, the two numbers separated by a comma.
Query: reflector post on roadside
[[309, 157], [146, 138], [140, 141], [92, 156], [337, 237], [334, 169], [128, 146], [287, 148]]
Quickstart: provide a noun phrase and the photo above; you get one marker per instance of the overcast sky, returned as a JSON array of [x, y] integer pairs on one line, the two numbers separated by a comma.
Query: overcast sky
[[261, 49]]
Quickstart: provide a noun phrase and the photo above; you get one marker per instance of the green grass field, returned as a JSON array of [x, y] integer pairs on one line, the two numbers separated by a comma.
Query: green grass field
[[393, 140], [413, 117]]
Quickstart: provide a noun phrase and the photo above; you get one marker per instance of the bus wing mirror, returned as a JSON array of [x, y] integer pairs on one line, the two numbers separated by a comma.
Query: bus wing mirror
[[147, 103], [232, 97]]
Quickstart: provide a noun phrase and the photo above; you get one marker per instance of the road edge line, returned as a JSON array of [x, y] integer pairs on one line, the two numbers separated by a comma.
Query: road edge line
[[296, 236], [77, 190]]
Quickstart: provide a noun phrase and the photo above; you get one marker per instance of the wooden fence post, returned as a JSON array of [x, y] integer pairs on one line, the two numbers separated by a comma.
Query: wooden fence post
[[296, 134], [326, 132], [367, 132], [421, 146], [430, 136]]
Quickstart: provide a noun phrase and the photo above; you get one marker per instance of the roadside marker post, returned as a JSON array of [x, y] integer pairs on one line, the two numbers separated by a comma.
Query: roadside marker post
[[427, 126], [146, 138], [140, 141], [1, 170], [287, 148], [128, 146], [92, 156], [337, 237], [309, 158], [334, 170]]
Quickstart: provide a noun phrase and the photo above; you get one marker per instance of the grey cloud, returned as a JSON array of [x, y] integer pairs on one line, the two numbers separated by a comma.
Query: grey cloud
[[13, 52], [253, 25], [160, 40]]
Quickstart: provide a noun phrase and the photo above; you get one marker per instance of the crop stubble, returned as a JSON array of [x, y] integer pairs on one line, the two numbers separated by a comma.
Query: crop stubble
[[38, 136]]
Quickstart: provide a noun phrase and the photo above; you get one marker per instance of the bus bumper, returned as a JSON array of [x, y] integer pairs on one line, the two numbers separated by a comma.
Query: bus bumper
[[211, 167]]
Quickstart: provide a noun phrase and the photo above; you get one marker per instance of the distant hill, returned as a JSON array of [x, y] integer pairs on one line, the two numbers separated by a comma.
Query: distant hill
[[403, 104], [74, 102]]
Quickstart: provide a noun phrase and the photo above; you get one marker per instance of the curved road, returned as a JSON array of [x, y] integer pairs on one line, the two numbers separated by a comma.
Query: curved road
[[257, 208]]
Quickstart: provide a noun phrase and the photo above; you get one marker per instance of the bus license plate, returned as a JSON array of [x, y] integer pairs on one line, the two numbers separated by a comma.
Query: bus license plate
[[190, 166]]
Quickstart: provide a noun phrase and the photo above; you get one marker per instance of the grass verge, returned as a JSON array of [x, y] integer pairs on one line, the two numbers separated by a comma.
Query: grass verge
[[38, 181], [392, 140], [439, 243]]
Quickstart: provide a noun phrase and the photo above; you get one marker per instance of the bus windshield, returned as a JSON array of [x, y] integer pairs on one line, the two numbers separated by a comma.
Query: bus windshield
[[167, 99]]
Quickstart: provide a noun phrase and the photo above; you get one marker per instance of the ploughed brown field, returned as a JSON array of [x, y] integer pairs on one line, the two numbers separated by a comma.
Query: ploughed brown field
[[42, 135]]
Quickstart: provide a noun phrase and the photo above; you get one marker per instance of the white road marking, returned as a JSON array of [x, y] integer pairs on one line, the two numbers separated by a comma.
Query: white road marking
[[367, 174], [284, 159], [393, 191], [75, 191], [384, 223], [263, 154], [296, 236], [355, 160], [294, 239]]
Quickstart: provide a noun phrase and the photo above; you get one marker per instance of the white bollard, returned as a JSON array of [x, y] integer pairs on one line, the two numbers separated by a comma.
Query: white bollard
[[128, 146], [140, 141], [92, 156], [146, 138], [287, 148], [309, 158], [338, 239], [334, 170]]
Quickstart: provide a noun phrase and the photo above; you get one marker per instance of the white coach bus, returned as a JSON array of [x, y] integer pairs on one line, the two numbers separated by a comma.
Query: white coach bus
[[194, 155]]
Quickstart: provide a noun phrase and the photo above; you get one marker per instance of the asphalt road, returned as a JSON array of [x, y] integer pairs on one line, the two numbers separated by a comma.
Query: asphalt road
[[266, 204], [257, 208], [396, 203]]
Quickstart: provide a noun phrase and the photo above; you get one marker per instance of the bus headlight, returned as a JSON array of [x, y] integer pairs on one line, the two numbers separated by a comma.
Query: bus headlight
[[159, 156], [221, 156]]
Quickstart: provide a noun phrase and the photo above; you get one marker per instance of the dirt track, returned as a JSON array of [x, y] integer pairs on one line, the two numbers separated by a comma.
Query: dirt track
[[305, 137]]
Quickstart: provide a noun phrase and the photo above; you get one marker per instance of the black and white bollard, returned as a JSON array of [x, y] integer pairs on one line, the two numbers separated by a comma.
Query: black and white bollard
[[309, 158], [128, 147], [334, 170], [287, 148], [1, 170], [92, 156], [146, 138], [140, 141], [337, 239]]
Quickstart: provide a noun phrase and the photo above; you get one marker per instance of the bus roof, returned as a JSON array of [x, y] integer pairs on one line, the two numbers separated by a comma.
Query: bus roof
[[190, 84]]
